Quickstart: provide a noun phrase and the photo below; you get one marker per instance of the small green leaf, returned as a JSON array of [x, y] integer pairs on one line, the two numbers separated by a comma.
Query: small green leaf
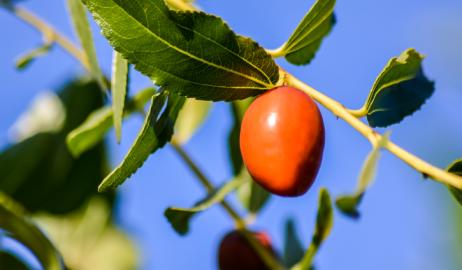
[[192, 115], [456, 168], [179, 217], [293, 249], [157, 130], [399, 90], [324, 223], [14, 221], [190, 53], [83, 30], [305, 41], [25, 60], [118, 90], [92, 131], [348, 204], [324, 218], [251, 195]]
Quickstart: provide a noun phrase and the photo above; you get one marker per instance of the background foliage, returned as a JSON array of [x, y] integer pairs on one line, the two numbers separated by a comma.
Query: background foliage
[[345, 68]]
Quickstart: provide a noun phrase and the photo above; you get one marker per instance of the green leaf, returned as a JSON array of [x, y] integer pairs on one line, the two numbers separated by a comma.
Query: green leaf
[[118, 90], [157, 130], [251, 195], [98, 123], [324, 223], [348, 204], [305, 41], [25, 60], [83, 30], [399, 90], [191, 117], [41, 174], [189, 53], [456, 168], [14, 221], [88, 239], [179, 218], [293, 249], [238, 109]]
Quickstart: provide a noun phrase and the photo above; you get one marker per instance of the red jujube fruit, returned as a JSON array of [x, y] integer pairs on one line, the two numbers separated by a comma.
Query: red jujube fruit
[[282, 141], [236, 253]]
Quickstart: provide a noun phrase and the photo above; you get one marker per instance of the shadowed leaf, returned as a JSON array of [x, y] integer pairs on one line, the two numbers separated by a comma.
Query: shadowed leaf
[[324, 223], [456, 168], [41, 174], [157, 130], [399, 90], [293, 249]]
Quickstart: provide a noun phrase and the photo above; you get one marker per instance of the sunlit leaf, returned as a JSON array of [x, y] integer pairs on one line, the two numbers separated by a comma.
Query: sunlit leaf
[[118, 90], [45, 114], [14, 221], [191, 117], [157, 130], [83, 30], [98, 123], [348, 204], [305, 41], [324, 223], [293, 249], [179, 218], [25, 60], [88, 239], [190, 53], [399, 90], [456, 168]]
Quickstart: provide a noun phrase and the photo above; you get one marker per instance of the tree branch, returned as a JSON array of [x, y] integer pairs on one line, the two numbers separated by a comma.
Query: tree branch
[[339, 110]]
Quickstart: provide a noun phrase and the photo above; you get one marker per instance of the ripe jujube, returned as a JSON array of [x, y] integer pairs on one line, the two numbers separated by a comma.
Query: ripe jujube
[[236, 252], [282, 141]]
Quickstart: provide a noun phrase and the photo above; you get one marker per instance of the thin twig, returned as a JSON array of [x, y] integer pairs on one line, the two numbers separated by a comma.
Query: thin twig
[[269, 259], [49, 33]]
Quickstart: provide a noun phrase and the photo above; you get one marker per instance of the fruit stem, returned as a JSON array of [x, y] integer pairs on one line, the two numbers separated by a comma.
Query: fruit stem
[[269, 260], [348, 116], [50, 34]]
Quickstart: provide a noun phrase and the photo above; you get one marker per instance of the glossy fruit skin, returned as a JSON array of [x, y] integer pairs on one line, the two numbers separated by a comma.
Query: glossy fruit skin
[[282, 141], [235, 253]]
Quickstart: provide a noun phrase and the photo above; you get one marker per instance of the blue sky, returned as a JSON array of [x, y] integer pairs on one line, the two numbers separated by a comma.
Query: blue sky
[[407, 223]]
